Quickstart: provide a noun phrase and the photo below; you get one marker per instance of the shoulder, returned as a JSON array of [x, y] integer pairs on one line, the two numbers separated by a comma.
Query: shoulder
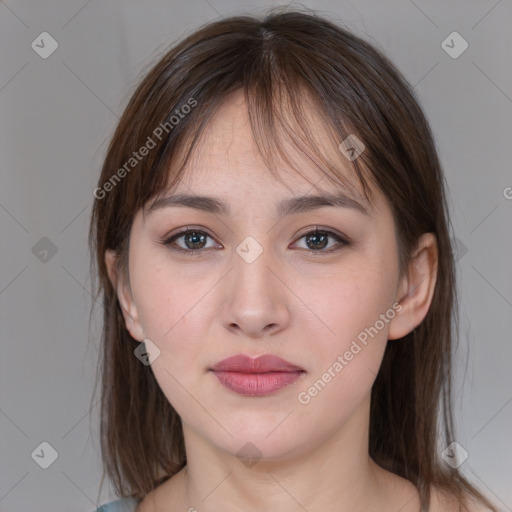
[[441, 501], [120, 505], [154, 500], [167, 496]]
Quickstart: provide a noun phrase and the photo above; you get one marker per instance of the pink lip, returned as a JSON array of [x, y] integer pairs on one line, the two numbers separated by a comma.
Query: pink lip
[[256, 376]]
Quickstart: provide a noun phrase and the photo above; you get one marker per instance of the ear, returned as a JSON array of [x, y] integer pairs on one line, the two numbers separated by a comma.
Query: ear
[[416, 289], [124, 296]]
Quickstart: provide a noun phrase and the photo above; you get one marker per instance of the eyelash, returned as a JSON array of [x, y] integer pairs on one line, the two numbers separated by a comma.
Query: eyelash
[[197, 252]]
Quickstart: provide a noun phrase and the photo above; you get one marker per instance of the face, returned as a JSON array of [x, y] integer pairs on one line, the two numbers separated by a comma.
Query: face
[[255, 281]]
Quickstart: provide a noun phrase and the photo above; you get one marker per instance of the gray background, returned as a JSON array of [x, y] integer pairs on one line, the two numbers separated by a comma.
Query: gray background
[[57, 115]]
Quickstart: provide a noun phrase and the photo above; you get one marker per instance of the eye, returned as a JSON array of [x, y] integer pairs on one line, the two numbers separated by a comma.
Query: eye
[[194, 240], [317, 240]]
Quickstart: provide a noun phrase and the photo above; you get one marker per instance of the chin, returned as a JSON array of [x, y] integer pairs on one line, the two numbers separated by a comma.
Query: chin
[[254, 448], [263, 438]]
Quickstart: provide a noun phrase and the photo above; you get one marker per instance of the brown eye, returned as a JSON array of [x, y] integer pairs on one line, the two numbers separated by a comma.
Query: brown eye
[[317, 240], [194, 241]]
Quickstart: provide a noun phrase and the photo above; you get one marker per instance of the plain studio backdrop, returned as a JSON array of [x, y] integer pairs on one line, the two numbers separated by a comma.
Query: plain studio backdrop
[[60, 102]]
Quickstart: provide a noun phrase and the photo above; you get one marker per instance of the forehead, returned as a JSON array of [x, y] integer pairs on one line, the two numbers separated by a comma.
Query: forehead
[[227, 158]]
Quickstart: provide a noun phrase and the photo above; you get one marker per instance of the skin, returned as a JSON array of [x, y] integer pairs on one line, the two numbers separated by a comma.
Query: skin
[[200, 310]]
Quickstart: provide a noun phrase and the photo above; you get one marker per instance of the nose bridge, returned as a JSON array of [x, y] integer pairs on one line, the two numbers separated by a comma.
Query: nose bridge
[[257, 298], [254, 261]]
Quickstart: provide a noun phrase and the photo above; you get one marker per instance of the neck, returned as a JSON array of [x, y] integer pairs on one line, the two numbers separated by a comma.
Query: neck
[[338, 475]]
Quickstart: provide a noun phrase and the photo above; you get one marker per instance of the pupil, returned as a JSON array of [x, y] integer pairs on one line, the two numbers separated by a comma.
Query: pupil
[[316, 236], [194, 236]]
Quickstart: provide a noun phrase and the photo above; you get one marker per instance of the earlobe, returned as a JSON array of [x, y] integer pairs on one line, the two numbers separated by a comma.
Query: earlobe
[[417, 288], [124, 296]]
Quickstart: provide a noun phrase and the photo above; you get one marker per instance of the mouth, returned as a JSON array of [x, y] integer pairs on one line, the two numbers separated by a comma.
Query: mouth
[[259, 376]]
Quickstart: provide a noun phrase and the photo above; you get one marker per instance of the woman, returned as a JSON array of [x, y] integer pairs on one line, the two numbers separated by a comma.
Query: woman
[[271, 234]]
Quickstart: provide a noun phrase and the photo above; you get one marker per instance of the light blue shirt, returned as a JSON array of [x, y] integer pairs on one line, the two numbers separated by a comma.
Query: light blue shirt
[[120, 505]]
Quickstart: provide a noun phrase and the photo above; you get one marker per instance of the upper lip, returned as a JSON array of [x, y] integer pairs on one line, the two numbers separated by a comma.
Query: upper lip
[[261, 364]]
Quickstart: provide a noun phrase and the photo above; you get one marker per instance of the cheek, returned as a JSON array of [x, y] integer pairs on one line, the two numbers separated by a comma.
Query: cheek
[[175, 308], [353, 313], [162, 292], [175, 311], [345, 303]]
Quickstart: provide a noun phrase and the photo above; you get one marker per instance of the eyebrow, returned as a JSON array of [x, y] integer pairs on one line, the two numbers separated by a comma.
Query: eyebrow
[[289, 206]]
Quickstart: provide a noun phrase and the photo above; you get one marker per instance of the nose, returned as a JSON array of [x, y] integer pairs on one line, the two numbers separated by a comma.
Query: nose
[[257, 302]]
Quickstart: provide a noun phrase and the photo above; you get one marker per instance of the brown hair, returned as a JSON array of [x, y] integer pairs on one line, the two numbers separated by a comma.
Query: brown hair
[[287, 58]]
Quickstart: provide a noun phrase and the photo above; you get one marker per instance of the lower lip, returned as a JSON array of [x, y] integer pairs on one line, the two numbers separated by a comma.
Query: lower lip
[[257, 384]]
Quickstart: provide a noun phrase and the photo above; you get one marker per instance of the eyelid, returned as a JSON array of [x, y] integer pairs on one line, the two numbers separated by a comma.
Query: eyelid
[[323, 229]]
